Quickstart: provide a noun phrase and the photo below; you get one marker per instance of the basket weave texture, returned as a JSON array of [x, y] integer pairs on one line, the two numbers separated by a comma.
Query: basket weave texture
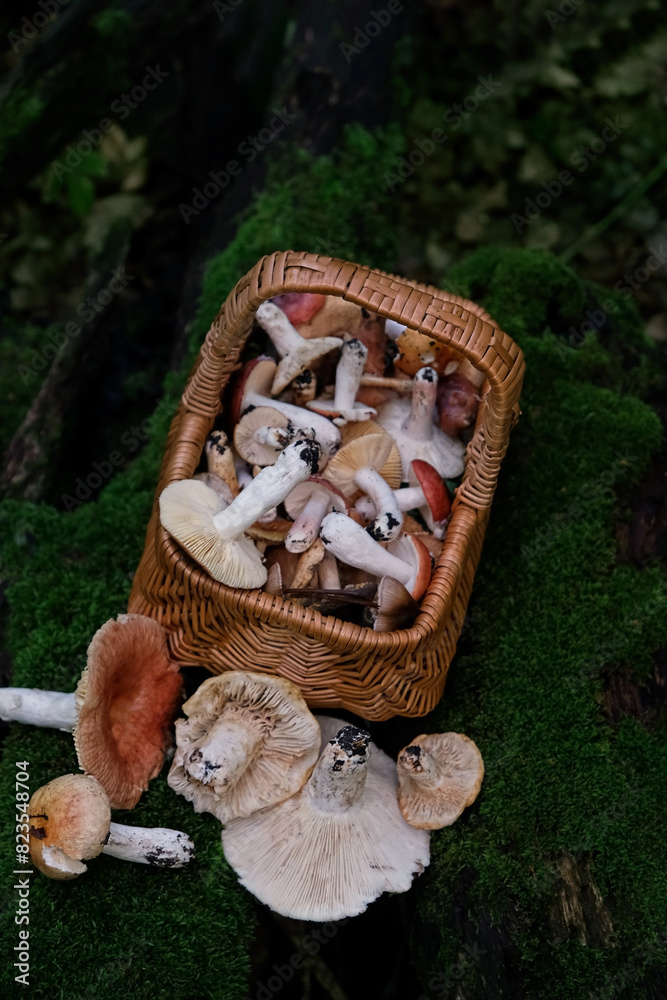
[[336, 664]]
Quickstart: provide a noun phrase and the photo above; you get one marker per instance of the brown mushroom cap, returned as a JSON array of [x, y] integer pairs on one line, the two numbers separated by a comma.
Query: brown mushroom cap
[[439, 775], [270, 744], [70, 818], [374, 451], [433, 488], [417, 349], [127, 698]]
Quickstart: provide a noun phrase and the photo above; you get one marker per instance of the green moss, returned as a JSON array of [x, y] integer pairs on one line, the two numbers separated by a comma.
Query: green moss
[[332, 206], [552, 611]]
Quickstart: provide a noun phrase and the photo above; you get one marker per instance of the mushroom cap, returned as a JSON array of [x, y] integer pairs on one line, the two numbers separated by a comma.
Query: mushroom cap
[[187, 509], [439, 775], [271, 707], [411, 550], [299, 307], [330, 850], [247, 434], [255, 376], [70, 818], [433, 488], [457, 404], [417, 349], [372, 451], [127, 698], [336, 317], [302, 493]]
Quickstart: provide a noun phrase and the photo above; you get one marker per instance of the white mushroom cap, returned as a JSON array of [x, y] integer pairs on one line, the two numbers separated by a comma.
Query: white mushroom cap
[[439, 775], [329, 851], [249, 741]]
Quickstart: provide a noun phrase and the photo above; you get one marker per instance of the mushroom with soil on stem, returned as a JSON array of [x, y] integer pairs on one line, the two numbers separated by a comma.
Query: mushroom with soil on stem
[[411, 424], [439, 775], [296, 353], [330, 850], [121, 711], [220, 459], [252, 389], [261, 433], [248, 742], [343, 407], [405, 559], [70, 822], [308, 503], [213, 533], [430, 497]]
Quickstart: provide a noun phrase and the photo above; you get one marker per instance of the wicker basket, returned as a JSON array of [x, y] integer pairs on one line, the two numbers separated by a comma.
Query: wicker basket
[[336, 664]]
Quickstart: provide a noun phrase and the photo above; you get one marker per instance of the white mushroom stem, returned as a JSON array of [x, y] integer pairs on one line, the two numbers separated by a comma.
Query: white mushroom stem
[[388, 523], [338, 779], [307, 525], [350, 366], [157, 846], [269, 488], [420, 424], [274, 437], [220, 460], [409, 498], [421, 766], [393, 329], [220, 757], [38, 708], [296, 352], [352, 544], [307, 424]]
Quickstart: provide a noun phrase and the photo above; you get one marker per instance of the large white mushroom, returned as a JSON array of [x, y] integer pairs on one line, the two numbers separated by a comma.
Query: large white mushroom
[[406, 559], [327, 852], [213, 534], [249, 741]]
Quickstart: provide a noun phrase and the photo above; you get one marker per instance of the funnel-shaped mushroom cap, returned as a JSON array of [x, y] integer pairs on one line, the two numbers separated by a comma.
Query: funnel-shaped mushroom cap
[[70, 819], [249, 741], [439, 775], [127, 698], [329, 851]]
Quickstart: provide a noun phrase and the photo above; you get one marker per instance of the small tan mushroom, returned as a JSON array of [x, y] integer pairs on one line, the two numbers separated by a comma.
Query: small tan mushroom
[[261, 434], [70, 822], [439, 775], [220, 459], [248, 742]]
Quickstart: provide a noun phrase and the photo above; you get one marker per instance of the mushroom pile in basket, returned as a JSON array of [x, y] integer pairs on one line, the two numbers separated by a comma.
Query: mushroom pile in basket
[[344, 427]]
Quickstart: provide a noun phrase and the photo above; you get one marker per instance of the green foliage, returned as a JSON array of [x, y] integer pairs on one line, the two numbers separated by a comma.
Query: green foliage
[[553, 612]]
